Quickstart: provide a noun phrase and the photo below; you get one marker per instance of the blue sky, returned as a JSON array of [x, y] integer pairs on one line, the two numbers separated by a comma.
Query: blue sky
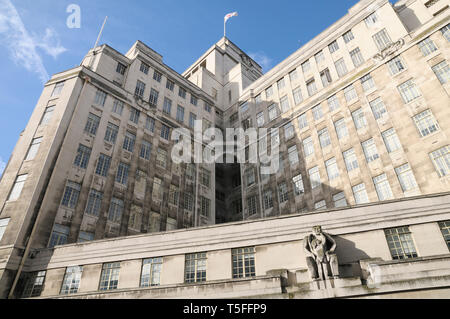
[[35, 41]]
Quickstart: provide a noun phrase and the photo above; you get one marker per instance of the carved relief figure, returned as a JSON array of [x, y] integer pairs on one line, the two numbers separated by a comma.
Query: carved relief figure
[[320, 255]]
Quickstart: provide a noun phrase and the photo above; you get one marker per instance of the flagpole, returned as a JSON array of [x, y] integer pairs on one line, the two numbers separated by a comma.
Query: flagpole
[[224, 28]]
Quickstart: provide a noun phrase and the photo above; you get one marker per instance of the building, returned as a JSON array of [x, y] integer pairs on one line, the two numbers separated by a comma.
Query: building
[[362, 113]]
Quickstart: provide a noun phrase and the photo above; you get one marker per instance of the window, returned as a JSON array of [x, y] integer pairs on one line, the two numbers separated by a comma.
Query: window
[[308, 146], [153, 100], [293, 155], [144, 68], [325, 76], [299, 187], [195, 268], [146, 149], [324, 138], [311, 87], [285, 104], [3, 224], [406, 177], [103, 165], [445, 229], [173, 195], [17, 188], [251, 205], [332, 169], [319, 57], [446, 32], [85, 236], [351, 161], [57, 89], [167, 107], [298, 97], [94, 203], [409, 91], [302, 121], [268, 199], [293, 75], [129, 141], [289, 131], [182, 92], [111, 133], [205, 177], [92, 124], [140, 89], [281, 84], [333, 46], [382, 187], [306, 66], [275, 136], [357, 57], [157, 76], [71, 194], [208, 107], [170, 85], [442, 71], [382, 39], [46, 117], [161, 158], [121, 68], [157, 192], [115, 210], [320, 205], [134, 115], [194, 100], [260, 119], [348, 36], [258, 99], [427, 46], [341, 128], [371, 19], [250, 177], [400, 243], [34, 147], [314, 177], [188, 202], [243, 262], [151, 272], [341, 68], [391, 140], [150, 124], [396, 65], [122, 173], [441, 160], [426, 123], [192, 119], [205, 209], [378, 108], [339, 200], [317, 112], [370, 150], [82, 158], [118, 107], [34, 284], [109, 279], [269, 92], [359, 119], [273, 112], [350, 93], [59, 236], [72, 279], [100, 98], [360, 194], [367, 82]]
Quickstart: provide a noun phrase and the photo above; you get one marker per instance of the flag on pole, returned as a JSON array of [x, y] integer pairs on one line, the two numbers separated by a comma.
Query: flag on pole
[[230, 15]]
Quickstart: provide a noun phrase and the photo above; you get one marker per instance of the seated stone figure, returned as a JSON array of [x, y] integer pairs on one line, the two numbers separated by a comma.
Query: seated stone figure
[[320, 256]]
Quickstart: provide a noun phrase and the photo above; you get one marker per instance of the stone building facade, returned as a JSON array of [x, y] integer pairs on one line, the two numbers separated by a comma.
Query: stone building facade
[[360, 113]]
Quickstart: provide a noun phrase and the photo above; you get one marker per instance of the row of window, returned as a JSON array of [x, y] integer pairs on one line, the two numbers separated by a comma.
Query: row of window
[[399, 240]]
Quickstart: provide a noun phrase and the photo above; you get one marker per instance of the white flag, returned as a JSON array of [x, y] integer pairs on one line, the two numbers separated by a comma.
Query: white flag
[[230, 15]]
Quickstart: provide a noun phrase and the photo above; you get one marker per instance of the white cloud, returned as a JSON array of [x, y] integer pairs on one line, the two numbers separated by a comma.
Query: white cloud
[[21, 45], [2, 166], [262, 59]]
